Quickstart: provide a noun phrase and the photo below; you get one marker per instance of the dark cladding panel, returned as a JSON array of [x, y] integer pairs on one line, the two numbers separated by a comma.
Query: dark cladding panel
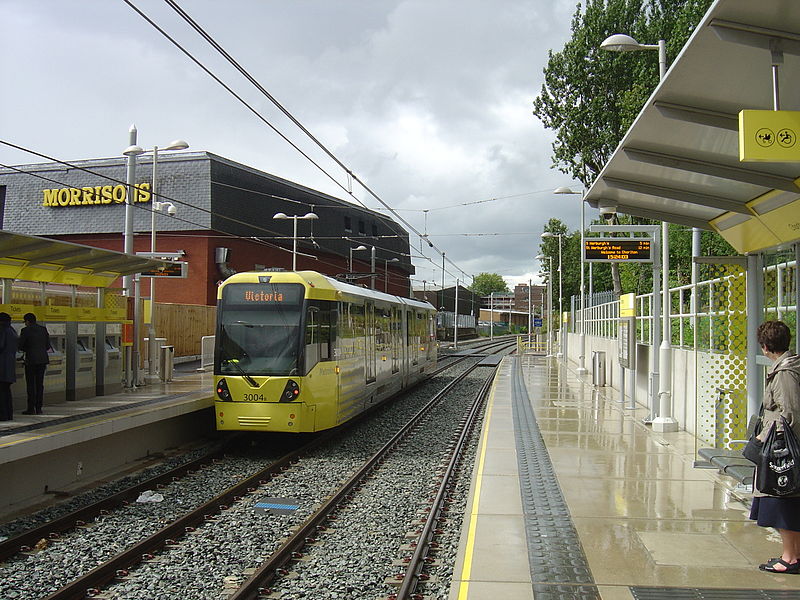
[[244, 201]]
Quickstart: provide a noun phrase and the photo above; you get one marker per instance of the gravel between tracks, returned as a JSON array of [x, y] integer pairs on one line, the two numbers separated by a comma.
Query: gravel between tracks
[[241, 537]]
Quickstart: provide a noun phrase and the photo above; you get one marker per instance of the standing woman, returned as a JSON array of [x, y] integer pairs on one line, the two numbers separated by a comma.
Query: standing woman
[[8, 366], [781, 399]]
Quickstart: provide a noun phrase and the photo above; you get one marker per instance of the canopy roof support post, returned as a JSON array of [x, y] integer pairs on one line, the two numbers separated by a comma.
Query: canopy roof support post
[[754, 316]]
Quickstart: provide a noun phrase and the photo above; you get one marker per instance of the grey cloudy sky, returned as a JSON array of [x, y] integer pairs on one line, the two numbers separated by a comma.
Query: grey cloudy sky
[[427, 101]]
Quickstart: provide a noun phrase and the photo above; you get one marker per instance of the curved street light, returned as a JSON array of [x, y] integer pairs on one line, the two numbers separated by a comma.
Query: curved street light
[[541, 257], [662, 369], [582, 334], [356, 249], [295, 218]]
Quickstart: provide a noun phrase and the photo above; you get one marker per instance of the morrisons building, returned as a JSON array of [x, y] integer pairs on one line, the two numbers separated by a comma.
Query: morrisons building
[[221, 222]]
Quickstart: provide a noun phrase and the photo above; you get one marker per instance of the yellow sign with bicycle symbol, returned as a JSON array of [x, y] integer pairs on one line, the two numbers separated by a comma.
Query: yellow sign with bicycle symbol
[[769, 135]]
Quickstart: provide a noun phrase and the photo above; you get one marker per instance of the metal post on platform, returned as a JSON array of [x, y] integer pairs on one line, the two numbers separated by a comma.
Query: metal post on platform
[[455, 319], [372, 268], [491, 316], [530, 312]]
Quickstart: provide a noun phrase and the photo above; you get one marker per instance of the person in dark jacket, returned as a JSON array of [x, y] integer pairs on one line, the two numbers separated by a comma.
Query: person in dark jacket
[[34, 341], [8, 365], [781, 399]]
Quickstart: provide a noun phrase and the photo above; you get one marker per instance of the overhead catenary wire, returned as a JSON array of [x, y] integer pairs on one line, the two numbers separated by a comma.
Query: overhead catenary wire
[[256, 239], [243, 71]]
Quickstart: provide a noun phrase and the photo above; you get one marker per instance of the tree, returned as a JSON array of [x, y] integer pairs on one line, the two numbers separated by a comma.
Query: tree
[[485, 283], [590, 96]]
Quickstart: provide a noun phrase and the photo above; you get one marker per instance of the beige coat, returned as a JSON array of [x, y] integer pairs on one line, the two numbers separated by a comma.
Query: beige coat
[[782, 397]]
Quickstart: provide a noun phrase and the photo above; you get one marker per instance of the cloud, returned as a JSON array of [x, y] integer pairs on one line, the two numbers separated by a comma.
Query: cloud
[[427, 102]]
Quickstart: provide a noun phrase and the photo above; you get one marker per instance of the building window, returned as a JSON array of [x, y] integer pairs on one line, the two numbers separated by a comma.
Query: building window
[[348, 224], [374, 230], [361, 227]]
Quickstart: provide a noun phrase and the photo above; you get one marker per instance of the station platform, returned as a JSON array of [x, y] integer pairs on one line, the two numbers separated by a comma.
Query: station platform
[[574, 497], [73, 442]]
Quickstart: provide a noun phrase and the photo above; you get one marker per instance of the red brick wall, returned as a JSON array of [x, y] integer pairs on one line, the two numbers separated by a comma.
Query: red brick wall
[[200, 287]]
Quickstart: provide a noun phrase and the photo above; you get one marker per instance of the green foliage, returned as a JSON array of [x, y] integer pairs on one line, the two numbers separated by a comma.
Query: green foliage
[[486, 283], [590, 97]]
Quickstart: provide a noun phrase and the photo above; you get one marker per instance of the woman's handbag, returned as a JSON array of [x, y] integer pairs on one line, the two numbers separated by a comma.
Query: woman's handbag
[[753, 448], [752, 451], [778, 470]]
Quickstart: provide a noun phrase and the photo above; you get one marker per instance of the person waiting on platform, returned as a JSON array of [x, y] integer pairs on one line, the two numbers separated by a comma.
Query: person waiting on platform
[[8, 366], [781, 399], [34, 341]]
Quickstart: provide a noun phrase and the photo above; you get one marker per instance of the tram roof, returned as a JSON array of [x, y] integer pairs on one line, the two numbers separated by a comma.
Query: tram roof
[[679, 161], [53, 261]]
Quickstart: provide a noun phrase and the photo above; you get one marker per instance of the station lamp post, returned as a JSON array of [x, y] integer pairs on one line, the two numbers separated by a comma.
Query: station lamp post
[[156, 207], [560, 236], [351, 255], [541, 257], [620, 42], [129, 281], [386, 274], [131, 152], [295, 218], [582, 332], [491, 315]]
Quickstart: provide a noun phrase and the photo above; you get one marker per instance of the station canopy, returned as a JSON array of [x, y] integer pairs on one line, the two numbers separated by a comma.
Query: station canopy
[[679, 161], [42, 259]]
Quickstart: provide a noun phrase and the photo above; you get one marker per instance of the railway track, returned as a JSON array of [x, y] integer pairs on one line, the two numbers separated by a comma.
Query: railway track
[[169, 537]]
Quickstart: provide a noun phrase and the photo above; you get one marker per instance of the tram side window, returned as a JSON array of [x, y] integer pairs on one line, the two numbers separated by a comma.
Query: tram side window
[[383, 327], [320, 335]]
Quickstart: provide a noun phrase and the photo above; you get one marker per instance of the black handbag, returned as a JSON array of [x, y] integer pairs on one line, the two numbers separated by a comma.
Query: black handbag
[[752, 450], [778, 470]]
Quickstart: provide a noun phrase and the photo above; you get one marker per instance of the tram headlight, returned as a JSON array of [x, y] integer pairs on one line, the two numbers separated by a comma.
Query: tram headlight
[[223, 393], [290, 392]]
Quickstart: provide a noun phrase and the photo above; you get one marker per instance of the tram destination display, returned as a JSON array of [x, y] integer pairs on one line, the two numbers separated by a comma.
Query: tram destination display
[[617, 250]]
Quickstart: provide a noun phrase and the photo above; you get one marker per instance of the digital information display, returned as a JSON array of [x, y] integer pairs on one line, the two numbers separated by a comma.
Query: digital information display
[[174, 269], [617, 250], [262, 294]]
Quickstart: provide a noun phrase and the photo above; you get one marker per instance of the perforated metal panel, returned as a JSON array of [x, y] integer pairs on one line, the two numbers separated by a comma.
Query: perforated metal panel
[[720, 357]]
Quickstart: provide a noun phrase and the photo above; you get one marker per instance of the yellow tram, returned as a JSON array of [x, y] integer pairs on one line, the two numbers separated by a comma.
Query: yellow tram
[[302, 352]]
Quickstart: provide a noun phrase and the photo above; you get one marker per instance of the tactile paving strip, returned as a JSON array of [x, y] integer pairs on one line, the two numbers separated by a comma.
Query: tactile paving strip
[[659, 593], [559, 569]]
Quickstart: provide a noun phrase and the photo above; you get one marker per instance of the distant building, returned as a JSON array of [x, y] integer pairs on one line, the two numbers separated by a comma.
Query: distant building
[[514, 308], [445, 302], [222, 223], [538, 295]]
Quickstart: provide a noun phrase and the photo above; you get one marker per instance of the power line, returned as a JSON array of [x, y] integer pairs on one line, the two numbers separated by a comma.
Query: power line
[[254, 239], [259, 87]]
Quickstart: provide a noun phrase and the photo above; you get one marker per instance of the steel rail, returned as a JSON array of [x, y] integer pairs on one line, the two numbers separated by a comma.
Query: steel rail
[[52, 530], [91, 582], [255, 585], [417, 563]]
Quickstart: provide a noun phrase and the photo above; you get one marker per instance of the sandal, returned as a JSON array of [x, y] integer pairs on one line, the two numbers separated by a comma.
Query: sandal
[[790, 568]]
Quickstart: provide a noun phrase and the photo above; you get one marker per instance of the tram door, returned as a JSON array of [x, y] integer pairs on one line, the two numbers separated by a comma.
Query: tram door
[[369, 334]]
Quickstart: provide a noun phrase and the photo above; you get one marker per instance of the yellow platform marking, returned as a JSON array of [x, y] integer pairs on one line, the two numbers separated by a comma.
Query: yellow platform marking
[[466, 570]]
